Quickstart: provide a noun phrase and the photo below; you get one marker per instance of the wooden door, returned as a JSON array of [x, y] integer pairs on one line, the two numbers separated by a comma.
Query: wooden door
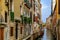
[[1, 33]]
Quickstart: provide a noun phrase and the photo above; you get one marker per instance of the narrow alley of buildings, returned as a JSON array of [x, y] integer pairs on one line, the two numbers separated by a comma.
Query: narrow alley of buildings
[[29, 20]]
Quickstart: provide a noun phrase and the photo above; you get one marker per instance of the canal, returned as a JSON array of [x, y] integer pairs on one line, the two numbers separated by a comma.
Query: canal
[[47, 35]]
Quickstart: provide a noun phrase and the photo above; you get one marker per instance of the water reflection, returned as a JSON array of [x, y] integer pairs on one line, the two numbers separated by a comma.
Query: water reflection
[[47, 35]]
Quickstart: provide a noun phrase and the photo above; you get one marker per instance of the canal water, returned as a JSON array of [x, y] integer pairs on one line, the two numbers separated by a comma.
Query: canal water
[[47, 35]]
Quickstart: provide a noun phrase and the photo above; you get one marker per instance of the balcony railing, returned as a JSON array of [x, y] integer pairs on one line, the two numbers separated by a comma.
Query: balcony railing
[[29, 5]]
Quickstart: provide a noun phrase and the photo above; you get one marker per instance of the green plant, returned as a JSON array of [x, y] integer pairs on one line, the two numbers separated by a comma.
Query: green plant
[[29, 20], [26, 20]]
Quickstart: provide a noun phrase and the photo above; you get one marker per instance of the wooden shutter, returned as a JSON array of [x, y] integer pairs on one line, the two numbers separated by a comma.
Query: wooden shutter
[[11, 31], [12, 16]]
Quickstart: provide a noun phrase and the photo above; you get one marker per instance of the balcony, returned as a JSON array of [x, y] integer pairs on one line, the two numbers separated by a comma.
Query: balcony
[[29, 5]]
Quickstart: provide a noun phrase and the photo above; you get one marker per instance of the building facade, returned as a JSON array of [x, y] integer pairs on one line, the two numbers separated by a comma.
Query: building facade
[[17, 19], [55, 19], [58, 19], [27, 10], [4, 20], [48, 22]]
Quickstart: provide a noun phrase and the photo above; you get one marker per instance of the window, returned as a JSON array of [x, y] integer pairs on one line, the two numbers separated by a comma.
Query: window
[[30, 1], [34, 17], [21, 30], [6, 0], [10, 0], [34, 7], [5, 16], [38, 15], [6, 3], [58, 22], [21, 9], [1, 18], [31, 15], [11, 31], [16, 30]]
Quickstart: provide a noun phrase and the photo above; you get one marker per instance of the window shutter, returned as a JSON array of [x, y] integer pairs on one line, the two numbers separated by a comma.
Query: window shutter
[[11, 31], [12, 16]]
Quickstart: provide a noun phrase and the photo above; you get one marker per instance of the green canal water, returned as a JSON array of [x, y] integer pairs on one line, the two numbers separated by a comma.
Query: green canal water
[[47, 35]]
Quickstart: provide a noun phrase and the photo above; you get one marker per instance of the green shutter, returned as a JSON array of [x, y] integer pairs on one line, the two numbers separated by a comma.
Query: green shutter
[[12, 16]]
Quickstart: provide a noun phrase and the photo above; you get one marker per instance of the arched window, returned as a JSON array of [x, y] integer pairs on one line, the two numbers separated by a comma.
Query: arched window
[[1, 18]]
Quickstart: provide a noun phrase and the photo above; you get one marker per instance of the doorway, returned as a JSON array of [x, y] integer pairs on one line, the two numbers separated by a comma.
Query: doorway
[[2, 33]]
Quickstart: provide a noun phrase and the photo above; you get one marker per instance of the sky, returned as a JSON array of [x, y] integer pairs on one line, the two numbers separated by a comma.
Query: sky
[[46, 9]]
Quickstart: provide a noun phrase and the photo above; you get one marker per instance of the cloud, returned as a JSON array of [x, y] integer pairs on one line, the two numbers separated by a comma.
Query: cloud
[[44, 6]]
